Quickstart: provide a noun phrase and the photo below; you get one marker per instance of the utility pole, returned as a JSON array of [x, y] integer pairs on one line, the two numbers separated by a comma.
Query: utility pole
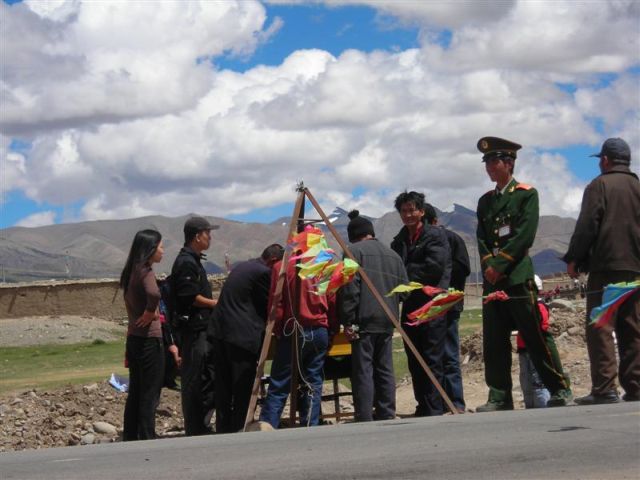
[[66, 263]]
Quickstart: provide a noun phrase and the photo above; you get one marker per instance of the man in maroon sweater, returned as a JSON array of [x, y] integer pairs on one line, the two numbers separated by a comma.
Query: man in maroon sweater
[[314, 326]]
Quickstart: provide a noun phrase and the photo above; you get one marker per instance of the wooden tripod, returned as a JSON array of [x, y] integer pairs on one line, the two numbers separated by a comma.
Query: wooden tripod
[[294, 224]]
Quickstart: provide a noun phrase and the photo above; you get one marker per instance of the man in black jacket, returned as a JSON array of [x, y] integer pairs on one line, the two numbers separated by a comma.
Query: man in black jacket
[[194, 304], [239, 325], [606, 243], [425, 252], [460, 270], [367, 326]]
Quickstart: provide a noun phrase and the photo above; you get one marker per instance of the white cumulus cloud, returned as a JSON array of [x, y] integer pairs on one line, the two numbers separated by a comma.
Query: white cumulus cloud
[[126, 114], [39, 219]]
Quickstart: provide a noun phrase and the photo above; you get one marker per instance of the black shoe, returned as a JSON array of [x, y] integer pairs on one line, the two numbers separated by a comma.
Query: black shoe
[[631, 398], [598, 398], [492, 406]]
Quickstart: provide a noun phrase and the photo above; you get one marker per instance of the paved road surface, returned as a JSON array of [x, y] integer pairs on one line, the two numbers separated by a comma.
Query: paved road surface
[[597, 442]]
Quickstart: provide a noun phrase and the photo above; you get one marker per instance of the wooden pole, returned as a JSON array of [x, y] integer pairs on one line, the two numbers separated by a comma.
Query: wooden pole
[[272, 314], [295, 360], [383, 305]]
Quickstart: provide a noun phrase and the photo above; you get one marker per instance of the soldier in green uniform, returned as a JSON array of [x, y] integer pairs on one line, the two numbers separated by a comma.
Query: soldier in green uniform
[[507, 224]]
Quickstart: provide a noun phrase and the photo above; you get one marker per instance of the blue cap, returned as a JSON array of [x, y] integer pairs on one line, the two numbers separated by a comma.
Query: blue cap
[[615, 149]]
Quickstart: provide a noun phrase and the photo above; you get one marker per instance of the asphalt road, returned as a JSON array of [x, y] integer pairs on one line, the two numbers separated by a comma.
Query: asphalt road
[[597, 442]]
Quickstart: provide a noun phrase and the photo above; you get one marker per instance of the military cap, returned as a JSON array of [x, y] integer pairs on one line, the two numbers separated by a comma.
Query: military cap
[[494, 147], [615, 149], [198, 224]]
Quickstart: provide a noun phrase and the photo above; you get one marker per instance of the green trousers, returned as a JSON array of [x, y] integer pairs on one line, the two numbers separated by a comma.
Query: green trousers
[[520, 313]]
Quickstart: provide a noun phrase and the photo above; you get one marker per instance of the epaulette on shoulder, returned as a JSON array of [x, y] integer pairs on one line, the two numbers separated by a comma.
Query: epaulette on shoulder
[[523, 186]]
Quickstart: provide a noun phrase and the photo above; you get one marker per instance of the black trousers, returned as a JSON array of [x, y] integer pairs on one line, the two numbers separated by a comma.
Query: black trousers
[[428, 339], [452, 375], [146, 373], [235, 373], [196, 381], [372, 378]]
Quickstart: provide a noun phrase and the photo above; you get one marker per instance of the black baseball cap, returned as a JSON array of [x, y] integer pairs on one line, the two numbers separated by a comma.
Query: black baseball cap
[[198, 224], [614, 149]]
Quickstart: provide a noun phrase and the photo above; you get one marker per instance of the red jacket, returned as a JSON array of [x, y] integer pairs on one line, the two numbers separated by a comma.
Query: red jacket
[[315, 310], [544, 324]]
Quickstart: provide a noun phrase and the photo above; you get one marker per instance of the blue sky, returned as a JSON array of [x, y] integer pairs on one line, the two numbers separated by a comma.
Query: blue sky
[[332, 29], [361, 101]]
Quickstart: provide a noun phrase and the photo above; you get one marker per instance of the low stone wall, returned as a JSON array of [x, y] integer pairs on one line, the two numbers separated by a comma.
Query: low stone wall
[[96, 298], [99, 298], [103, 299]]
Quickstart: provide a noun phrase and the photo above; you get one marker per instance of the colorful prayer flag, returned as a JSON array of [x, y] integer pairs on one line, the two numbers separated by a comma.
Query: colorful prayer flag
[[405, 287], [499, 296], [436, 307], [316, 261], [614, 296]]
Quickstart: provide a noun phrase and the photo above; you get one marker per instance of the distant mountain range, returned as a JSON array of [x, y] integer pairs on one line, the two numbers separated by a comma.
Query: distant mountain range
[[98, 249]]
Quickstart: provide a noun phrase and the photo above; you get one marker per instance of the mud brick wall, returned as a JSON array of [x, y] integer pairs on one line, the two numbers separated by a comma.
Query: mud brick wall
[[96, 298]]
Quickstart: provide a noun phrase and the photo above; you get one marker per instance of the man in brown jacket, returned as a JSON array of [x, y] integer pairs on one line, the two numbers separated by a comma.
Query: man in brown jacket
[[606, 243]]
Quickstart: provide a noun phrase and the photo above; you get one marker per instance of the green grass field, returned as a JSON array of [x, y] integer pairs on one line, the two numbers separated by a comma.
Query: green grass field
[[48, 366], [470, 322], [45, 366]]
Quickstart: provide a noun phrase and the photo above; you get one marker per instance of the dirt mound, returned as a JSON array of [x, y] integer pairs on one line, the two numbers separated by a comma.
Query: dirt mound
[[75, 415]]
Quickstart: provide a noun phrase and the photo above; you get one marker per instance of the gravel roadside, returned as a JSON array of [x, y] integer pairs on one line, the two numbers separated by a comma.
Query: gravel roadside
[[63, 329]]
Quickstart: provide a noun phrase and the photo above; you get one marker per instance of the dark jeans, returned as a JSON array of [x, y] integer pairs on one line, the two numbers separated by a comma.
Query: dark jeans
[[372, 377], [312, 348], [196, 381], [452, 377], [520, 313], [235, 373], [428, 339], [146, 373], [602, 352]]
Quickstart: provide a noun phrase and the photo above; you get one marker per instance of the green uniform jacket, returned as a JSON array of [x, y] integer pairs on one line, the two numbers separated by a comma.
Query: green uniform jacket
[[507, 226]]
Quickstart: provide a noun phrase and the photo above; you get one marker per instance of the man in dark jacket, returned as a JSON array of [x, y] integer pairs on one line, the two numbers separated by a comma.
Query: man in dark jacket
[[194, 305], [460, 270], [424, 250], [239, 325], [606, 243], [366, 324]]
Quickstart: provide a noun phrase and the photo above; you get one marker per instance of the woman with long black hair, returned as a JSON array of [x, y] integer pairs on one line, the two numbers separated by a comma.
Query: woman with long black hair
[[145, 350]]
